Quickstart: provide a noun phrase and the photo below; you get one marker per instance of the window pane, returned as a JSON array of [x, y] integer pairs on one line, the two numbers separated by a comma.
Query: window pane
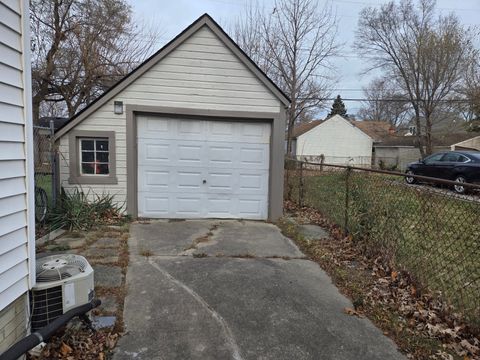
[[433, 158], [102, 145], [88, 168], [102, 169], [102, 157], [87, 144], [87, 156], [450, 157]]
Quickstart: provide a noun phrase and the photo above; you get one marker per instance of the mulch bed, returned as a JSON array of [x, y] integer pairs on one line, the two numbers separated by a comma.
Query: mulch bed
[[423, 326]]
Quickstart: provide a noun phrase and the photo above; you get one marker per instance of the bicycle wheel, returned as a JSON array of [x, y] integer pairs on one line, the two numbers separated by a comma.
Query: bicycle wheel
[[41, 201]]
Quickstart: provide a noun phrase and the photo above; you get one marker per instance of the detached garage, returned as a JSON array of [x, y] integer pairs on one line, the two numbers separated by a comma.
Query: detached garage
[[196, 131]]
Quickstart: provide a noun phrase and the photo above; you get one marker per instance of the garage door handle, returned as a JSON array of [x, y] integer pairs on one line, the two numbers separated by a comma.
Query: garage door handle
[[204, 181]]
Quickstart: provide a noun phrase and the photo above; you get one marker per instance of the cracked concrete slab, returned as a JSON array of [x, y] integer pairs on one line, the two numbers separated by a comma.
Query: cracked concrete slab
[[182, 307], [212, 237]]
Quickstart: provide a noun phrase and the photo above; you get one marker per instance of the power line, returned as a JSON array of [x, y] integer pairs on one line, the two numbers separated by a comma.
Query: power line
[[378, 4], [390, 100]]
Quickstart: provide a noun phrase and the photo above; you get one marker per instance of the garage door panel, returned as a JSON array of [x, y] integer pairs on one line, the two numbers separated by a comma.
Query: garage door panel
[[221, 182], [150, 152], [176, 156], [189, 205], [238, 155], [159, 179], [153, 205], [171, 179], [252, 184], [219, 155], [255, 133], [189, 180], [189, 154], [253, 157], [154, 125], [251, 208]]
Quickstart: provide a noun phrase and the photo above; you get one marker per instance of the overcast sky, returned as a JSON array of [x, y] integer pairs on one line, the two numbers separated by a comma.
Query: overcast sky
[[172, 16]]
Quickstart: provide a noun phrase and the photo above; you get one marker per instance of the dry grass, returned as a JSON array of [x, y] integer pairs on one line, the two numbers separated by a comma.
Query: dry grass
[[418, 321]]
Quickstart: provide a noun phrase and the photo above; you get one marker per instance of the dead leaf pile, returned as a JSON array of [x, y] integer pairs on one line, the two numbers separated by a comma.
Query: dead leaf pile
[[75, 344], [419, 311]]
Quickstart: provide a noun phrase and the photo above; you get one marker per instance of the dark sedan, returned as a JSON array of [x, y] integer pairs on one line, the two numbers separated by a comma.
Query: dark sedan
[[460, 166]]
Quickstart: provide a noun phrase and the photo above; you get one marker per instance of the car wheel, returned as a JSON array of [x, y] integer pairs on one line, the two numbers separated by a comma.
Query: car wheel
[[410, 179], [459, 189]]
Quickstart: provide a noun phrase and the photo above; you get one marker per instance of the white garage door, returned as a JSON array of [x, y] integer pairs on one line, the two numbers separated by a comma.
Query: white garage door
[[202, 169]]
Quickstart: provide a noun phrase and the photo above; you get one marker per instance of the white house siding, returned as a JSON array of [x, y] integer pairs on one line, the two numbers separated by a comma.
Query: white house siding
[[201, 73], [16, 230], [338, 141]]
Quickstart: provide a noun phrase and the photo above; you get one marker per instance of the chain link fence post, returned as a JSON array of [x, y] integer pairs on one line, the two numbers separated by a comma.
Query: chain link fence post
[[53, 163], [347, 199], [301, 186]]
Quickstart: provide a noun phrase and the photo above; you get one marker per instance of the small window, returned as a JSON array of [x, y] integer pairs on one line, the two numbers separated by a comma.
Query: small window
[[94, 156], [463, 158]]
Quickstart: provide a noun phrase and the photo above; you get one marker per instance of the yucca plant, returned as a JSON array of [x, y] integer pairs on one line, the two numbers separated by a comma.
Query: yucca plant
[[82, 211]]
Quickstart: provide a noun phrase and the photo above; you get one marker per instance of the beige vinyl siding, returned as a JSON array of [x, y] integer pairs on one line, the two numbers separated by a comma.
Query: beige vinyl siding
[[14, 266], [201, 73]]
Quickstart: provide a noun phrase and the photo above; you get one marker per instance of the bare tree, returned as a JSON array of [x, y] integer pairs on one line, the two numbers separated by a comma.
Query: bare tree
[[470, 90], [80, 48], [384, 103], [424, 54], [293, 43]]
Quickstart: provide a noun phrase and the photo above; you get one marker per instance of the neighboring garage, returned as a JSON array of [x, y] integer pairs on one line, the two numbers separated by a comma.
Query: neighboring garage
[[196, 131]]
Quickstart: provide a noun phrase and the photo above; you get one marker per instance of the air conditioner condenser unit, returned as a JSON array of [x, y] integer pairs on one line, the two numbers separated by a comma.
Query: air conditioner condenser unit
[[63, 282]]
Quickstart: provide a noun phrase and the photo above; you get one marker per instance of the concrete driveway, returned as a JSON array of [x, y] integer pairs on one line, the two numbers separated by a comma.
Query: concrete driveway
[[235, 290]]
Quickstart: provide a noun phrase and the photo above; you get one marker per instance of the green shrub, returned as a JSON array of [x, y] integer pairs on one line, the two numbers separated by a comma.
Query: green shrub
[[82, 211]]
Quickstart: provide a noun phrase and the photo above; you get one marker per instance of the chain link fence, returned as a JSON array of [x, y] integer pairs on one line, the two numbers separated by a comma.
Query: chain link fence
[[45, 159], [429, 231]]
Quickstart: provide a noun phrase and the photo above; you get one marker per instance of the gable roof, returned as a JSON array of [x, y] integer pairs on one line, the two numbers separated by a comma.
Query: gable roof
[[304, 127], [377, 130], [204, 20], [442, 140]]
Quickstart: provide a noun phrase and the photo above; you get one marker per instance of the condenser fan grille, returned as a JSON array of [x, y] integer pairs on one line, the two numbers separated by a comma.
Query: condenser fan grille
[[59, 267], [46, 305]]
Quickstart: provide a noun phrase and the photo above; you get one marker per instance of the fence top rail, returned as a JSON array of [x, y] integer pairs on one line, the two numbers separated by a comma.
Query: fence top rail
[[386, 172]]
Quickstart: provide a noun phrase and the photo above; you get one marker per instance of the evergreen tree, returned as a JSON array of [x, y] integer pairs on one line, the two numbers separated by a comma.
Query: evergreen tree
[[338, 107]]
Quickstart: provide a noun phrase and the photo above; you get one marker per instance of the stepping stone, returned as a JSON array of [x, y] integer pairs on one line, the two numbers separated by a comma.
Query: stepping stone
[[313, 232], [105, 260], [73, 243], [107, 276], [106, 242], [100, 253], [109, 304]]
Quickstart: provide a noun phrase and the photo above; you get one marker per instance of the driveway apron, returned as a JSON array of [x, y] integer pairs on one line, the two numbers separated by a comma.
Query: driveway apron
[[226, 289]]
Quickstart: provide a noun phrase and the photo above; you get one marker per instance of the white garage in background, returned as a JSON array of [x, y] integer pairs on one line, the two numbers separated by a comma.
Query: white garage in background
[[196, 131]]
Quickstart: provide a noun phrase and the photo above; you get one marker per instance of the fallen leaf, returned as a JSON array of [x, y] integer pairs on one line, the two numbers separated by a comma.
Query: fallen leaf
[[394, 275], [65, 349], [353, 312]]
